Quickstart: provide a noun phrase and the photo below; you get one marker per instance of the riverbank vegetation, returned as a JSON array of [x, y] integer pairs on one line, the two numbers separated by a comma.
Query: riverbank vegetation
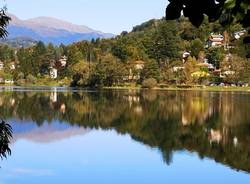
[[170, 53]]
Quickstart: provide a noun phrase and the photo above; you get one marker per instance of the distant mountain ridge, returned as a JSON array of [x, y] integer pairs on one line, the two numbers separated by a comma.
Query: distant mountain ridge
[[51, 30]]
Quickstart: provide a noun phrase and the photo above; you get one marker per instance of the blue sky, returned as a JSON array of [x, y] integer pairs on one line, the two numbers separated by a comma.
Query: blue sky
[[111, 16]]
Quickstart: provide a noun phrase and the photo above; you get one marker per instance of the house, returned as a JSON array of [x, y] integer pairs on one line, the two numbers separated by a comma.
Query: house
[[215, 136], [178, 68], [227, 73], [63, 108], [223, 74], [138, 65], [135, 67], [53, 95], [12, 66], [209, 66], [239, 34], [63, 61], [1, 65], [185, 56], [53, 73], [215, 40], [9, 81]]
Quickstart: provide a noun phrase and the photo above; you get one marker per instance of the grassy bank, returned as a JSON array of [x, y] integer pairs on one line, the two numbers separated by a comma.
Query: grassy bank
[[191, 88]]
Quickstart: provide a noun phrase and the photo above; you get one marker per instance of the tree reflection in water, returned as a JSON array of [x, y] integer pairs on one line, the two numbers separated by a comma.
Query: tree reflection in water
[[215, 125]]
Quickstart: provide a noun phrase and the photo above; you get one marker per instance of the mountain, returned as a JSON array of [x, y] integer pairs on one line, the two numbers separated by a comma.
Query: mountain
[[51, 30], [45, 133]]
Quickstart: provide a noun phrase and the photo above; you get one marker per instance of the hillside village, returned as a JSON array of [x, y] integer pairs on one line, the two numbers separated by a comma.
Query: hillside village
[[134, 57]]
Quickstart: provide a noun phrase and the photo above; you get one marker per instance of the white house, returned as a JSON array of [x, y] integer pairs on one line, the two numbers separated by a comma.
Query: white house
[[53, 73], [1, 65], [215, 40], [137, 66], [9, 81], [12, 66], [185, 55], [239, 34]]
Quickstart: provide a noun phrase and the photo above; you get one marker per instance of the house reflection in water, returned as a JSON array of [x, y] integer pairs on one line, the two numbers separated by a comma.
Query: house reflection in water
[[53, 95], [215, 136]]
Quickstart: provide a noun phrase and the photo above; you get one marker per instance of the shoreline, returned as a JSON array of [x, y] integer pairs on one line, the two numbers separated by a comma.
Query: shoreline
[[171, 88], [205, 88]]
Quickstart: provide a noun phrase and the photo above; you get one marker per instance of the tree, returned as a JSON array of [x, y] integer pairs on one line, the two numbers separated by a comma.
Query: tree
[[119, 50], [81, 73], [6, 53], [239, 68], [25, 61], [166, 42], [149, 83], [196, 47], [74, 55], [150, 70], [189, 68], [38, 58], [5, 129], [5, 136], [4, 21], [227, 11], [49, 59], [108, 71], [215, 56]]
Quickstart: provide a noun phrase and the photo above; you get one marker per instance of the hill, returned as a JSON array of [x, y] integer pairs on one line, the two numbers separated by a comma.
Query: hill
[[51, 30]]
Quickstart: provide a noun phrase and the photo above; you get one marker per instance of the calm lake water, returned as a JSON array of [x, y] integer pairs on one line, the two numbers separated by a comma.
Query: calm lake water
[[63, 136]]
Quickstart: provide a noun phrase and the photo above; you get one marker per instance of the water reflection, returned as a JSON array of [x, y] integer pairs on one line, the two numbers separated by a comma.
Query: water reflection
[[215, 125]]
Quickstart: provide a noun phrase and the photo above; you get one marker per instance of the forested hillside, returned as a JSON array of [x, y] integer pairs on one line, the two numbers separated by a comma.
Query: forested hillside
[[157, 51]]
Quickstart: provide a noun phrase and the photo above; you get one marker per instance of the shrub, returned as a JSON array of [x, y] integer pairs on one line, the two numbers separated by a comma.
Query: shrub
[[149, 83], [20, 76], [20, 82], [163, 85], [31, 79]]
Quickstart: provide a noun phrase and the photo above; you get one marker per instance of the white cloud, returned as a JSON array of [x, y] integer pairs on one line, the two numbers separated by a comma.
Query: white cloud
[[34, 172]]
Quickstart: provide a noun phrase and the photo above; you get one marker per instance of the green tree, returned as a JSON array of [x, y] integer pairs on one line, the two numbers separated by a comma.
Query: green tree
[[215, 56], [150, 70], [119, 50], [25, 61], [74, 55], [38, 57], [167, 42], [81, 73], [196, 47], [108, 72]]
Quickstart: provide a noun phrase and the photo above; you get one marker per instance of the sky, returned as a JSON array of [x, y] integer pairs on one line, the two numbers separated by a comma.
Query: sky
[[110, 16]]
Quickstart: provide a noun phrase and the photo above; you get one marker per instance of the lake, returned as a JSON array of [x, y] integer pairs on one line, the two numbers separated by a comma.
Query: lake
[[70, 136]]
